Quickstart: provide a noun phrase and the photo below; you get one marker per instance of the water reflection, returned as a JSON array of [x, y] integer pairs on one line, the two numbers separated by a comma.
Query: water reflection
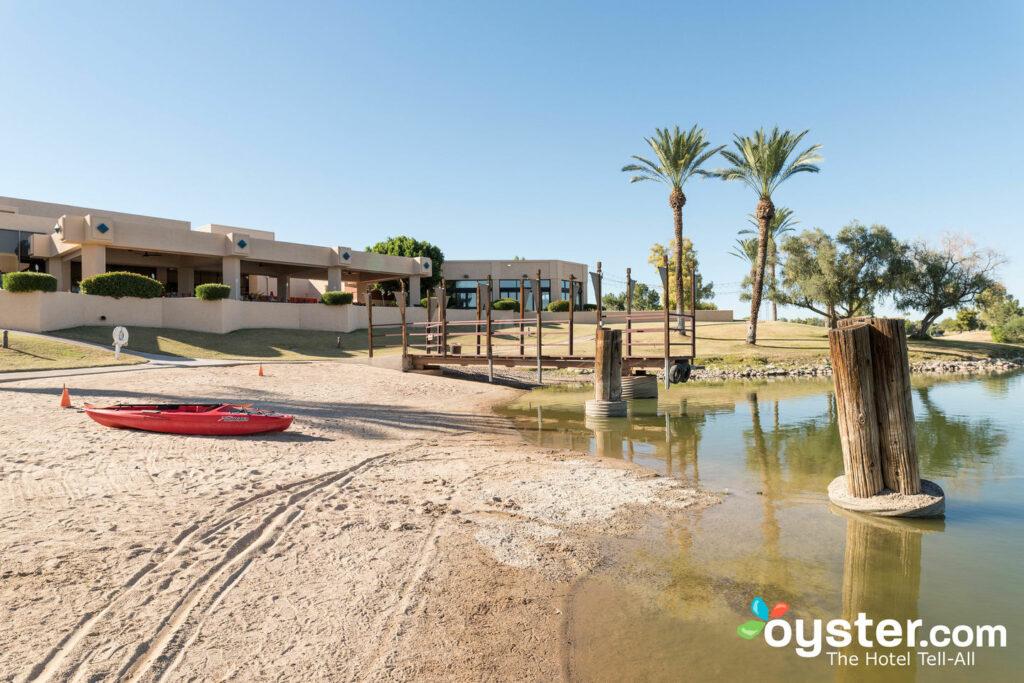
[[684, 585]]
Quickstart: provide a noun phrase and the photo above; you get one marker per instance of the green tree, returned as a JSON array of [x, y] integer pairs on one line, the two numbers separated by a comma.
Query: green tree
[[403, 245], [678, 157], [841, 277], [763, 161], [644, 299], [996, 306], [950, 276], [705, 292]]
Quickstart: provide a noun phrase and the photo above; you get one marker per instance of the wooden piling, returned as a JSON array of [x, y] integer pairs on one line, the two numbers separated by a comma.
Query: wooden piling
[[540, 327], [853, 374], [893, 402], [629, 312], [400, 300], [693, 312], [572, 308], [490, 333], [442, 312], [608, 365], [478, 312], [599, 294], [369, 322], [668, 321], [522, 316]]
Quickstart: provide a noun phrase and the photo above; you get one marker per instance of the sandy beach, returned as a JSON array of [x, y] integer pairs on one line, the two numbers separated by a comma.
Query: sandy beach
[[398, 531]]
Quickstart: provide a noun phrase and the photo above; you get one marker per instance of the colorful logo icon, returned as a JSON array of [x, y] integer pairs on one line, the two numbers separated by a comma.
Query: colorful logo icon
[[750, 629]]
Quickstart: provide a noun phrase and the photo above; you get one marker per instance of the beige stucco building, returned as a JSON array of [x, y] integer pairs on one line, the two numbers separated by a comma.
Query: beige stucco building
[[462, 277], [73, 242]]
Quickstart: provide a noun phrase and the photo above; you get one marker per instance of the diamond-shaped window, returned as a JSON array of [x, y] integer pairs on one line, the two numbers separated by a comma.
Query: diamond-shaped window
[[426, 265], [242, 244], [346, 256], [102, 228]]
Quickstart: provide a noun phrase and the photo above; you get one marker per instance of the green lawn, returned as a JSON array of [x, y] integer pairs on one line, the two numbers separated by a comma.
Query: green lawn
[[28, 352], [262, 344], [721, 344]]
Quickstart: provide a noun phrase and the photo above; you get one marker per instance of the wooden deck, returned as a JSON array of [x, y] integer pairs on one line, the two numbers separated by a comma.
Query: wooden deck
[[422, 361]]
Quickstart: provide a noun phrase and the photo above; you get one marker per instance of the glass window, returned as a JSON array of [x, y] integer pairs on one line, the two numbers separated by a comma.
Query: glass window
[[545, 294], [462, 293], [508, 289], [9, 241], [577, 294]]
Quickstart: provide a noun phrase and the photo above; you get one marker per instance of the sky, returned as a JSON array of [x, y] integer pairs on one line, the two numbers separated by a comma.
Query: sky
[[499, 129]]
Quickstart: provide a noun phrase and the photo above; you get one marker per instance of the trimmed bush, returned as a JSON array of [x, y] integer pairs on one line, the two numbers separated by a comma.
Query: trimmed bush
[[28, 281], [423, 302], [336, 298], [589, 307], [119, 284], [505, 305], [560, 306], [213, 291]]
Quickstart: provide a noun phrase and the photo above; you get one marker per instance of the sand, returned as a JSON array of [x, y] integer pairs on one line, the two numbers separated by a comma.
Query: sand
[[400, 530]]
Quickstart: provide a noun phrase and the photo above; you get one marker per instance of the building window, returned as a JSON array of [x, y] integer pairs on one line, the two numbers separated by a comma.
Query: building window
[[509, 289], [462, 293], [18, 242], [545, 294]]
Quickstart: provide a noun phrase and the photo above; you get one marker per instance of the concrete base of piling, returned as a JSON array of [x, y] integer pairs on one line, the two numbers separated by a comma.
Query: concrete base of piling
[[931, 502], [598, 408]]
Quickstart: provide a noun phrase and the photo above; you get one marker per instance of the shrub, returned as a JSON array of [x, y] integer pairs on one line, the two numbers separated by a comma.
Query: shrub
[[213, 291], [1010, 332], [423, 302], [336, 298], [589, 307], [560, 306], [119, 284], [29, 282], [505, 305]]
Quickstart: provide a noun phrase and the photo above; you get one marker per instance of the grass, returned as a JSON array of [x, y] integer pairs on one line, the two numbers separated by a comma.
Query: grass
[[720, 344], [261, 344], [29, 352]]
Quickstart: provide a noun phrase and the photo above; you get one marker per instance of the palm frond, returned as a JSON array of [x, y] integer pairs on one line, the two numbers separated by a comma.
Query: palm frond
[[764, 160], [679, 155]]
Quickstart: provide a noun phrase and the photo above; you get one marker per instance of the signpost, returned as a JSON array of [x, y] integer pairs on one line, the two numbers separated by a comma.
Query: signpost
[[120, 339]]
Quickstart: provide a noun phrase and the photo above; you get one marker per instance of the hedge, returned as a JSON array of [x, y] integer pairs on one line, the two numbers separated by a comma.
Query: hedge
[[560, 306], [213, 291], [119, 284], [336, 298], [505, 305], [29, 281]]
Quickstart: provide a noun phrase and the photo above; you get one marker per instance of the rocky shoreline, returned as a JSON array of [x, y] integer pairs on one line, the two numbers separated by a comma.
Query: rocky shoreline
[[522, 378], [823, 368]]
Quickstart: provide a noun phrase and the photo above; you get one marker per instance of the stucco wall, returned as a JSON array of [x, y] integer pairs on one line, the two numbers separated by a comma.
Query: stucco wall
[[45, 311]]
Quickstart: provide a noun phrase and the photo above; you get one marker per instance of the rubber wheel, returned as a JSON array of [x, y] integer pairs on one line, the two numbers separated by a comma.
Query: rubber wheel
[[680, 373]]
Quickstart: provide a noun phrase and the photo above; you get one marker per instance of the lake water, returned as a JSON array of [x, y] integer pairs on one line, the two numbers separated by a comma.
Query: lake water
[[668, 604]]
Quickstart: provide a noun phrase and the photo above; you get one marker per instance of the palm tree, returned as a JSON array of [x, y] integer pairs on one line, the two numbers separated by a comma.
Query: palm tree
[[764, 161], [680, 156], [782, 223]]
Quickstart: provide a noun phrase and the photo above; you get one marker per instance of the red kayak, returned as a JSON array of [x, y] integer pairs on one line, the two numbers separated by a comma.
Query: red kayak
[[208, 419]]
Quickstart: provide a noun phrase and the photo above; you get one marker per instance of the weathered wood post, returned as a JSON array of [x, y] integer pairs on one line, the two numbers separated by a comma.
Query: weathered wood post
[[540, 326], [522, 316], [896, 434], [369, 321], [629, 312], [871, 370], [607, 375], [598, 287], [6, 343], [693, 311], [858, 420], [572, 308], [400, 300], [442, 312], [478, 312], [490, 353], [666, 341]]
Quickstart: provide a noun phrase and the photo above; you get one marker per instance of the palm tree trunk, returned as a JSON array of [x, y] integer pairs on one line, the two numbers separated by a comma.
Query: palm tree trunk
[[774, 286], [676, 200], [765, 211]]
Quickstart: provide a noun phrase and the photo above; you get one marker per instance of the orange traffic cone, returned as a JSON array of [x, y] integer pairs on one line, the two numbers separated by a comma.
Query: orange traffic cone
[[261, 369], [65, 398]]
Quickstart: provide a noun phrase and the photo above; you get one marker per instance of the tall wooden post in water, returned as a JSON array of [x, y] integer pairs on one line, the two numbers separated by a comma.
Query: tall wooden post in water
[[607, 375], [629, 311], [572, 308], [871, 370]]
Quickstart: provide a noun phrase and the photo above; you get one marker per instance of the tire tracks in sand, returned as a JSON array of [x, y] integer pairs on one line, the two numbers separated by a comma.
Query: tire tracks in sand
[[192, 574]]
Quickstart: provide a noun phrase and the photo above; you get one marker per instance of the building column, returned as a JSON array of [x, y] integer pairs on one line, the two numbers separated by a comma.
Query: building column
[[60, 269], [161, 275], [186, 281], [284, 285], [231, 275], [334, 279], [414, 291], [94, 260], [360, 292]]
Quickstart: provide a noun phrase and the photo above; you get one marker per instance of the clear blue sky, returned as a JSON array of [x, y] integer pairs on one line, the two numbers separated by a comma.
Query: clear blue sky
[[498, 129]]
